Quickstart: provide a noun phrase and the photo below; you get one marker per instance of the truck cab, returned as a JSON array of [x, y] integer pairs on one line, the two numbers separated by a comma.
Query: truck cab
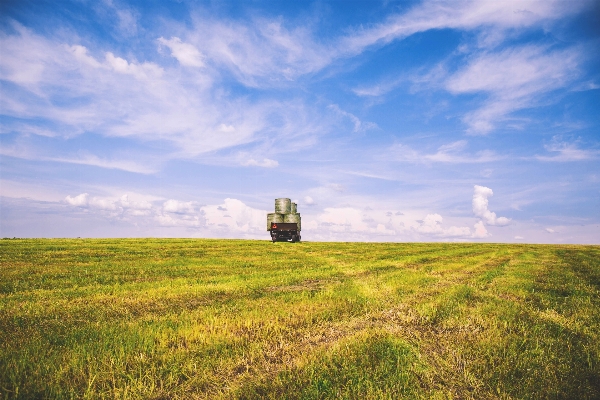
[[282, 231]]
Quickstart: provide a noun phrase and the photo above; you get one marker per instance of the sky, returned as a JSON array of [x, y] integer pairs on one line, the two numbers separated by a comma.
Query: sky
[[395, 121]]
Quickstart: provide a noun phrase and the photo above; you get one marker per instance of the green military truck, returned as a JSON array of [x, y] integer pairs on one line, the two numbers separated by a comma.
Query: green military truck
[[284, 224]]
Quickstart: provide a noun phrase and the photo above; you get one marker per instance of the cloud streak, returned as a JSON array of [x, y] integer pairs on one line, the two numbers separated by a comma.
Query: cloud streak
[[514, 79], [567, 152], [451, 153], [466, 14]]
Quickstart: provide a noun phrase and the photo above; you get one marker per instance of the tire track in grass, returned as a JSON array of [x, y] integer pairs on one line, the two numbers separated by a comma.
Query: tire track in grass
[[471, 315], [418, 331]]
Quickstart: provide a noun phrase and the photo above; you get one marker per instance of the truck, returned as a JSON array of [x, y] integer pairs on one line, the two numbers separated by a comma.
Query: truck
[[285, 231], [284, 223]]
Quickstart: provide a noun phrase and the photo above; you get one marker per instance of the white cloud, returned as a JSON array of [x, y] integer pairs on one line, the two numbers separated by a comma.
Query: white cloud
[[514, 79], [480, 207], [265, 163], [486, 173], [450, 153], [512, 72], [103, 203], [337, 187], [176, 107], [28, 129], [264, 52], [127, 21], [359, 126], [226, 128], [494, 16], [143, 71], [378, 89], [259, 52], [79, 200], [168, 220], [126, 18], [176, 206], [343, 219], [308, 200], [234, 216], [550, 230], [432, 225], [350, 223], [25, 153], [480, 231], [127, 203], [515, 72], [181, 107], [565, 151], [124, 165], [121, 204], [185, 53], [519, 237], [44, 191]]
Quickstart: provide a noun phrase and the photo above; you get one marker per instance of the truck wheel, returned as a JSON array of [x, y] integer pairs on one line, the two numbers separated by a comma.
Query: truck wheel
[[294, 238]]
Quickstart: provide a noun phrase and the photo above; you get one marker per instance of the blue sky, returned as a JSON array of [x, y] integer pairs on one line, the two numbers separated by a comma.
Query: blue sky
[[384, 120]]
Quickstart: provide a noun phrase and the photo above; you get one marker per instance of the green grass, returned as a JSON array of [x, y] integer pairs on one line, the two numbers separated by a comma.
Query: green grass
[[164, 318]]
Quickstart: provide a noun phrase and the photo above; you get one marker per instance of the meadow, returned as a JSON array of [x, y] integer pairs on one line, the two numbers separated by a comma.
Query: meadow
[[186, 318]]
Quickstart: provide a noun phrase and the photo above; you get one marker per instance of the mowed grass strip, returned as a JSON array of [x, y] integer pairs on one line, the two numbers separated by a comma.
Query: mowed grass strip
[[175, 318]]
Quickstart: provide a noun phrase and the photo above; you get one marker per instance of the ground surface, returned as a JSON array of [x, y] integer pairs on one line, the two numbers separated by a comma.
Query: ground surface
[[252, 319]]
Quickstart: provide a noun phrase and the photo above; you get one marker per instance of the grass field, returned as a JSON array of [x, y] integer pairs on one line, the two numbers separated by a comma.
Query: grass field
[[165, 318]]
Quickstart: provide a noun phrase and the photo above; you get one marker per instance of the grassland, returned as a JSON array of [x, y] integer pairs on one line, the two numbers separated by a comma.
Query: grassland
[[252, 319]]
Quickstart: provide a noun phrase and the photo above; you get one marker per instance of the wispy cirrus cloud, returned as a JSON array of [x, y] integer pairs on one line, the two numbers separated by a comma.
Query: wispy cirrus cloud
[[359, 126], [185, 109], [185, 53], [265, 163], [378, 89], [260, 52], [466, 14], [272, 51], [514, 79], [452, 153], [27, 153], [71, 90], [124, 165], [563, 151]]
